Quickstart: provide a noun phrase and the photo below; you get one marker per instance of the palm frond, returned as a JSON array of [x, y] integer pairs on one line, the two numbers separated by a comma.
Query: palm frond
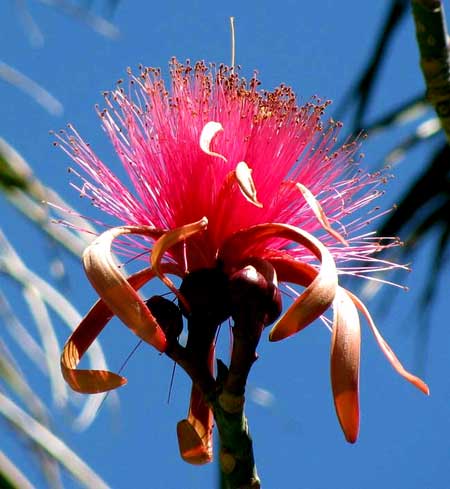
[[53, 445]]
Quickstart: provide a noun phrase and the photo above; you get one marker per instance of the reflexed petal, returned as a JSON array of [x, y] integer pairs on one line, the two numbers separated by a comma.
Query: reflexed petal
[[117, 293], [317, 297], [166, 241], [210, 129], [294, 271], [195, 433], [88, 381], [345, 358], [245, 181], [319, 294], [386, 349], [93, 381], [319, 213]]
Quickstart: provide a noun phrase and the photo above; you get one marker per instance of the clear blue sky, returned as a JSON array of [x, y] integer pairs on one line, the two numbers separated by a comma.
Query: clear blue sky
[[317, 48]]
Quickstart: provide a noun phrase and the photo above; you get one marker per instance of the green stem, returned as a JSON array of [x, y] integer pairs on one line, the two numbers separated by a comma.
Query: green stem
[[250, 296], [237, 461], [225, 395]]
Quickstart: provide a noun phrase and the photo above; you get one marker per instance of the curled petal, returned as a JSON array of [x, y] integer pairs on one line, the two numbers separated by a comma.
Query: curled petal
[[345, 346], [195, 433], [166, 241], [245, 181], [311, 303], [294, 271], [210, 129], [386, 349], [303, 274], [345, 359], [116, 292], [319, 213], [317, 297], [93, 381], [88, 381]]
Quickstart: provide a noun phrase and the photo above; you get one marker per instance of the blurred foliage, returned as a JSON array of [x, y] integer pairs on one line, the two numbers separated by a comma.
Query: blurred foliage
[[9, 179], [359, 94], [424, 209], [21, 408]]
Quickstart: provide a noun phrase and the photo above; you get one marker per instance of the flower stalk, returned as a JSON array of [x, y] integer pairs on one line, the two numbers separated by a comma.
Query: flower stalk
[[252, 299], [237, 461]]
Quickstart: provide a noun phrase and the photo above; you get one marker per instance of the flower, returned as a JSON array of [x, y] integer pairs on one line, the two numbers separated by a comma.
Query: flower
[[226, 177]]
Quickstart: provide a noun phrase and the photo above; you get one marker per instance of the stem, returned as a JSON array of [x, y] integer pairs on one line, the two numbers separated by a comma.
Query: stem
[[254, 302], [246, 338], [237, 461], [251, 297]]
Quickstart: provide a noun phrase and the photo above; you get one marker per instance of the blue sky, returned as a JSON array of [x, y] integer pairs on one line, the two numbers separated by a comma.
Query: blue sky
[[317, 49]]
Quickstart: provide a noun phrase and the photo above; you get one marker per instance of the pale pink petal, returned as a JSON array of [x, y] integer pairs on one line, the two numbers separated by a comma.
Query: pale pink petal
[[165, 242], [296, 272], [245, 181], [345, 359], [116, 292], [93, 381], [319, 213], [195, 434], [386, 349], [210, 130]]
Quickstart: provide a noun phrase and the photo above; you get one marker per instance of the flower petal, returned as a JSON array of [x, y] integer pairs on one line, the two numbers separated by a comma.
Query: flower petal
[[294, 271], [166, 241], [317, 297], [209, 130], [88, 381], [195, 433], [319, 213], [345, 359], [117, 293], [93, 381], [345, 345], [386, 349], [245, 181]]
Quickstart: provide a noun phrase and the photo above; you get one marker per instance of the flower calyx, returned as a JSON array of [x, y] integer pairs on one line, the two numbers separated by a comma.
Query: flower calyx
[[254, 293], [255, 303], [168, 316], [206, 291]]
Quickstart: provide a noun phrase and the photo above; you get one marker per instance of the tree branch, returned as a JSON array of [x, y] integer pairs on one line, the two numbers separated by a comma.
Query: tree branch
[[432, 38]]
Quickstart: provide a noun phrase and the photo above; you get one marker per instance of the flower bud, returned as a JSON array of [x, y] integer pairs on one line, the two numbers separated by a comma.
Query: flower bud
[[254, 291], [168, 316], [207, 293]]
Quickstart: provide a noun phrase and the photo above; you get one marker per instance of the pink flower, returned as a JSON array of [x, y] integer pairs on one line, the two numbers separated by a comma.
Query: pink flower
[[224, 175]]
